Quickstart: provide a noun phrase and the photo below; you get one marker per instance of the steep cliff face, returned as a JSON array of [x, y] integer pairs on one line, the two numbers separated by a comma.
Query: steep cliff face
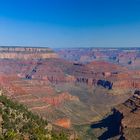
[[56, 100], [123, 123], [63, 91], [129, 84], [56, 71], [20, 61], [26, 53], [131, 121], [39, 96]]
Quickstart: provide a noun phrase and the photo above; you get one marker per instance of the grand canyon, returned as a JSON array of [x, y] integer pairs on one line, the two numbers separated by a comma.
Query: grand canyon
[[92, 93]]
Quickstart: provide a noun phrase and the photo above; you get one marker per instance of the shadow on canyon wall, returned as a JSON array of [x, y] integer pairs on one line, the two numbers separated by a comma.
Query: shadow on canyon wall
[[113, 125]]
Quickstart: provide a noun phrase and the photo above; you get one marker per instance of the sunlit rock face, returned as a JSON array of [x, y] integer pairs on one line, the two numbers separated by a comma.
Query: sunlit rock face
[[26, 53], [65, 92], [130, 123]]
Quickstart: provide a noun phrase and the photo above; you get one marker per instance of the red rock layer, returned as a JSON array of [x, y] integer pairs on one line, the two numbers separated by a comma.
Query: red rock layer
[[56, 100], [64, 122]]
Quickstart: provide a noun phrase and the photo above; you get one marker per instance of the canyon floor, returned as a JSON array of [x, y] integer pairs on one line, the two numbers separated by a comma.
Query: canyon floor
[[81, 90]]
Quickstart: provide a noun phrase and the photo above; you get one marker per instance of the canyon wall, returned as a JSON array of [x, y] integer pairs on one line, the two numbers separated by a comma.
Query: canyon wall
[[26, 53], [130, 123]]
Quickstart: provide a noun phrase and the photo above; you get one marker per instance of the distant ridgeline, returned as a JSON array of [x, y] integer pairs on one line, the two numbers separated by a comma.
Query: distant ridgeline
[[7, 52]]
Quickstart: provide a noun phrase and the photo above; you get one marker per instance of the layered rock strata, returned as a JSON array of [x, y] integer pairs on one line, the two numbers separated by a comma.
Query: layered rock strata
[[26, 53]]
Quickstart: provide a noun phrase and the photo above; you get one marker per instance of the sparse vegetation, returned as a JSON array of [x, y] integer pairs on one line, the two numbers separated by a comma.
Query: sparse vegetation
[[17, 123]]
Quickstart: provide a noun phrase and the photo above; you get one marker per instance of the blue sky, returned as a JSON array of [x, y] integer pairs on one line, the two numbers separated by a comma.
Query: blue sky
[[70, 23]]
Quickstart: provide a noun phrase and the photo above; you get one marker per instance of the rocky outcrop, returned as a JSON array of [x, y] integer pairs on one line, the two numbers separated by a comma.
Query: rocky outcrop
[[37, 83], [131, 120], [123, 123]]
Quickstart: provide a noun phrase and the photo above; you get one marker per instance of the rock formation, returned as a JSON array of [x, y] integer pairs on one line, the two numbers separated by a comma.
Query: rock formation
[[131, 121], [64, 91], [124, 56], [26, 53]]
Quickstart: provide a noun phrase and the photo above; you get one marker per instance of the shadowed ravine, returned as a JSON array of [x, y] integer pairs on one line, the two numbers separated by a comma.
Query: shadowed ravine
[[112, 123]]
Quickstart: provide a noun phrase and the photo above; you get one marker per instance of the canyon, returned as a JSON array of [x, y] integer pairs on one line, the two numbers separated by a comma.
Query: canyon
[[26, 53], [130, 123], [71, 87]]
